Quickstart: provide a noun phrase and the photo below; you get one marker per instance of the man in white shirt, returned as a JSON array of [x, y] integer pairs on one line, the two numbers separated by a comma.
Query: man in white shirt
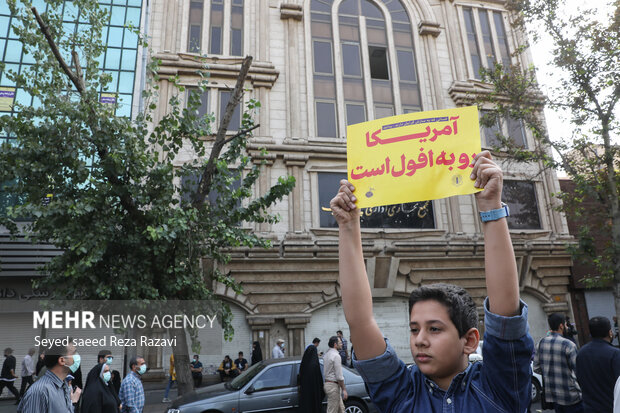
[[27, 372], [334, 380], [278, 349]]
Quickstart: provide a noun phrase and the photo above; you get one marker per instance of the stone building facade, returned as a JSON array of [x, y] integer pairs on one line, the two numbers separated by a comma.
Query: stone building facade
[[318, 66]]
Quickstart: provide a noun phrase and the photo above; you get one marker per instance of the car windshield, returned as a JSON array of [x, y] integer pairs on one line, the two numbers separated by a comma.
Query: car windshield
[[243, 379]]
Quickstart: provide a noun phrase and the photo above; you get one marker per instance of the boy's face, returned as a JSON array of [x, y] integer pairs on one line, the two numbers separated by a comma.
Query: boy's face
[[436, 347]]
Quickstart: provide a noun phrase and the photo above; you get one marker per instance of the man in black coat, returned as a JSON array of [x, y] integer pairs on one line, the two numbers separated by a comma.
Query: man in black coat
[[598, 367]]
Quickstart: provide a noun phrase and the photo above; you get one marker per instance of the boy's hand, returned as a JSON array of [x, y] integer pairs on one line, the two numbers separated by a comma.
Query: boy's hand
[[343, 204], [489, 176]]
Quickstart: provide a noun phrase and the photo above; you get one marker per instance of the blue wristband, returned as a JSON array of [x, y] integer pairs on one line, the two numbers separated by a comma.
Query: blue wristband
[[495, 214]]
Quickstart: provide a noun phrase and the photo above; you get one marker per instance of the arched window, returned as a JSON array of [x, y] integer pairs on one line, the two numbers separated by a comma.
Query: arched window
[[370, 55]]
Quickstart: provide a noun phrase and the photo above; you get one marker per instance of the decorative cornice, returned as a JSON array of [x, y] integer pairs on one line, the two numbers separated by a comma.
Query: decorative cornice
[[261, 74], [426, 27], [291, 11], [465, 92], [295, 160]]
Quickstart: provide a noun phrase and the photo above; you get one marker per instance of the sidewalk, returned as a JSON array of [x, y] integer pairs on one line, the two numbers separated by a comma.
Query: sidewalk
[[153, 392]]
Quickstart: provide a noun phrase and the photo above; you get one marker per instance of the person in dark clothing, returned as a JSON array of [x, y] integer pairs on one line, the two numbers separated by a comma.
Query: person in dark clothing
[[98, 396], [40, 363], [116, 381], [104, 356], [257, 353], [8, 376], [227, 369], [598, 367], [196, 368], [571, 331], [311, 391]]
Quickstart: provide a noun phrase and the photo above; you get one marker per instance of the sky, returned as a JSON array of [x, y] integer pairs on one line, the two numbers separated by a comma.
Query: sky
[[557, 122]]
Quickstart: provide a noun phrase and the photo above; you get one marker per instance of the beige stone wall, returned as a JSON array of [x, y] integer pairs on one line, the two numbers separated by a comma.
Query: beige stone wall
[[284, 285]]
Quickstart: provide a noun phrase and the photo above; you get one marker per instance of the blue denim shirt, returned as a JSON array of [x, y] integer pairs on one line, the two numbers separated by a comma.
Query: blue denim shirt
[[500, 384]]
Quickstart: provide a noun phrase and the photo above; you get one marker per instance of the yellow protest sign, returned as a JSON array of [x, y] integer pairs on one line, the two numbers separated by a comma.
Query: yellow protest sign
[[413, 157]]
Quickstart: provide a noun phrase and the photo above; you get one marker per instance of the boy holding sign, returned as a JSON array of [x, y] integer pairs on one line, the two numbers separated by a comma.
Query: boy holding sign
[[443, 320]]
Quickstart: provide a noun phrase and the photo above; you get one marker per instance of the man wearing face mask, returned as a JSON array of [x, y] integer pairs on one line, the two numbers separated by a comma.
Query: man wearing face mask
[[51, 394], [132, 391], [278, 350]]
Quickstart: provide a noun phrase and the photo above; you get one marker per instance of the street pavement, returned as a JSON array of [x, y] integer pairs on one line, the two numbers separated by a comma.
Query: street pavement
[[154, 393], [154, 404]]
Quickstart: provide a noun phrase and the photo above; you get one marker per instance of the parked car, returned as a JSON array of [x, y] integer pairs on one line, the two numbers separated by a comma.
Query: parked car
[[265, 386]]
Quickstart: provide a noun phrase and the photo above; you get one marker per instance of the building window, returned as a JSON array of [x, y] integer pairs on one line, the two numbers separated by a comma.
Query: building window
[[235, 121], [224, 20], [509, 127], [412, 215], [236, 28], [486, 39], [217, 23], [195, 25], [522, 201], [364, 51]]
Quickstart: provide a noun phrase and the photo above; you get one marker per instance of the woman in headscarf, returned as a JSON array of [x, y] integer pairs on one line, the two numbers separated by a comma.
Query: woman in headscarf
[[98, 397], [257, 353], [311, 391]]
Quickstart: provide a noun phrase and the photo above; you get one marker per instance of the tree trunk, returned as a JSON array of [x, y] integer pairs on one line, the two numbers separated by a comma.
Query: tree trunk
[[185, 384]]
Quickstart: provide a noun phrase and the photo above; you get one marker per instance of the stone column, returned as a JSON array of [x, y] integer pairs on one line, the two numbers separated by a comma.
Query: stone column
[[292, 14], [295, 166], [265, 163]]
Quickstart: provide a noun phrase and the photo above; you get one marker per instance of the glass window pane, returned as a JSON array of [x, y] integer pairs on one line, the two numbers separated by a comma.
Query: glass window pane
[[274, 377], [351, 62], [124, 107], [236, 42], [326, 119], [324, 87], [382, 91], [406, 65], [321, 5], [521, 199], [322, 30], [134, 2], [349, 7], [516, 131], [383, 111], [4, 25], [118, 16], [378, 62], [486, 37], [235, 120], [125, 82], [403, 39], [322, 57], [195, 38], [490, 132], [129, 60], [133, 16], [113, 58], [472, 41], [115, 39], [216, 40], [355, 113], [13, 51], [349, 33], [369, 9], [502, 39], [131, 39], [354, 89]]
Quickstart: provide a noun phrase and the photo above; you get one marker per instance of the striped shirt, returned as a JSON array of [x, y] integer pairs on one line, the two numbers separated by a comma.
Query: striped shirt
[[132, 394], [557, 357], [49, 394]]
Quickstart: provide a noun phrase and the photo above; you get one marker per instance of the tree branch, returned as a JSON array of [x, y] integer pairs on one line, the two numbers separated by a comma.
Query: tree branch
[[220, 138], [240, 133], [79, 85]]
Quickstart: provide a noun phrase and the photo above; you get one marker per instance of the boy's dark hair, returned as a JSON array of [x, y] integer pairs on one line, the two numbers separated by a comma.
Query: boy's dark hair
[[333, 340], [53, 354], [339, 332], [103, 354], [555, 320], [599, 327], [316, 340], [460, 305], [241, 353]]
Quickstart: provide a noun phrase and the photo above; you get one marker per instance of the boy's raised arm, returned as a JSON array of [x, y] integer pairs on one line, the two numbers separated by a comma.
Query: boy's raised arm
[[502, 280], [356, 294]]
